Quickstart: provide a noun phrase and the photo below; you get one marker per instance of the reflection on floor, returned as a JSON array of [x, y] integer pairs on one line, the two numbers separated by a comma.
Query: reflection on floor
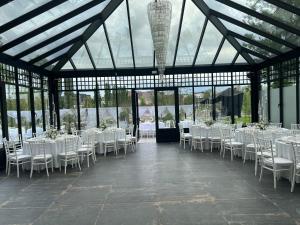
[[160, 184], [147, 140]]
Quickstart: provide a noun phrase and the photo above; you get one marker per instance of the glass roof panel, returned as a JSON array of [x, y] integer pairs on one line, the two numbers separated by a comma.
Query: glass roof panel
[[256, 59], [57, 29], [256, 49], [41, 20], [176, 10], [209, 46], [99, 49], [54, 44], [250, 20], [81, 59], [255, 37], [51, 66], [118, 34], [49, 58], [16, 8], [141, 33], [272, 11], [240, 59], [226, 54], [192, 25], [67, 66]]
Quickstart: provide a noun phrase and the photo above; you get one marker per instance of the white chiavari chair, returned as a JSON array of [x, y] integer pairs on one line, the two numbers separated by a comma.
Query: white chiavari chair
[[296, 161], [109, 141]]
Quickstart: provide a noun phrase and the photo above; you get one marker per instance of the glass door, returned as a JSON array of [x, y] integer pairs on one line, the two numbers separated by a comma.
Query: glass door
[[166, 114]]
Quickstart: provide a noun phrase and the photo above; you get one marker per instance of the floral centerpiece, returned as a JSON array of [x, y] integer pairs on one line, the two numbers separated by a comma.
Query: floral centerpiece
[[51, 133], [103, 125], [209, 123], [262, 125]]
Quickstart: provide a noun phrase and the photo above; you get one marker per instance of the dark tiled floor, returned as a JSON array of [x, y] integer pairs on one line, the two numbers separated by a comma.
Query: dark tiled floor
[[158, 185]]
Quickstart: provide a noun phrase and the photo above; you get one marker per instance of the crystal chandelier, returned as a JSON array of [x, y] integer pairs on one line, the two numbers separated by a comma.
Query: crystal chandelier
[[159, 16]]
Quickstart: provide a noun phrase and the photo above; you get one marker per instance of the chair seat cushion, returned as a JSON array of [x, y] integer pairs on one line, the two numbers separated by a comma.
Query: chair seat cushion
[[187, 135], [20, 157], [234, 143], [124, 140], [68, 154], [199, 138], [250, 146], [266, 154], [298, 166], [108, 142], [278, 161], [214, 138], [84, 150], [42, 156]]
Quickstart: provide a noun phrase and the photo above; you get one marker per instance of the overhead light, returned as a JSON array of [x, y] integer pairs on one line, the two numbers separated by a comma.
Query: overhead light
[[159, 16]]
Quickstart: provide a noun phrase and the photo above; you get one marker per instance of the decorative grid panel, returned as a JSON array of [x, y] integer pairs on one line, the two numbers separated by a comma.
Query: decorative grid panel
[[106, 83], [240, 78], [67, 84], [289, 68], [7, 73], [36, 81], [167, 82], [183, 80], [86, 83], [125, 82], [222, 78], [274, 72], [144, 81], [23, 77], [202, 79]]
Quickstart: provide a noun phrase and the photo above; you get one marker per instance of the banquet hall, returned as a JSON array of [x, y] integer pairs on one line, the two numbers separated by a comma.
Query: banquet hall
[[149, 112]]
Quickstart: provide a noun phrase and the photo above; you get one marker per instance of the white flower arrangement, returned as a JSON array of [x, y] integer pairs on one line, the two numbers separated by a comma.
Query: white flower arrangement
[[51, 133], [262, 125]]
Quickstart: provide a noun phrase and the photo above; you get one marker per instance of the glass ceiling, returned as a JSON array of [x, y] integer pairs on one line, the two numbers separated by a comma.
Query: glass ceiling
[[125, 40]]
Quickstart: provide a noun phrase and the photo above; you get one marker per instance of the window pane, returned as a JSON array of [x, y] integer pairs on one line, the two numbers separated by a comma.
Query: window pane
[[166, 109], [242, 104], [125, 107], [185, 103], [46, 107], [25, 112], [107, 110], [192, 25], [223, 102], [68, 110], [263, 102], [226, 54], [88, 116], [203, 104], [82, 60], [11, 104], [38, 111]]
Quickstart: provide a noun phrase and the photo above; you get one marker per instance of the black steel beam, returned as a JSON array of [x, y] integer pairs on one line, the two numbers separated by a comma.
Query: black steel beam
[[27, 16], [4, 2], [235, 58], [295, 53], [106, 12], [6, 59], [252, 29], [283, 5], [179, 31], [222, 29], [200, 40], [50, 25], [254, 53], [130, 33], [54, 50], [148, 70], [54, 60], [255, 43], [260, 16], [218, 51], [90, 55], [109, 46], [72, 64]]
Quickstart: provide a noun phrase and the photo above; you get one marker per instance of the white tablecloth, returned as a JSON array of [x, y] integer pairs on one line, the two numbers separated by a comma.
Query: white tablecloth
[[53, 147]]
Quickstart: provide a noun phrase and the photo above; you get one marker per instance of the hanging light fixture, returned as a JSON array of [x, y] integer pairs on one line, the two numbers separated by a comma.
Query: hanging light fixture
[[159, 16]]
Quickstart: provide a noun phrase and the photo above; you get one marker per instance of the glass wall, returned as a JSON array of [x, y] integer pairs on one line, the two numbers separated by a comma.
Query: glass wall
[[46, 108], [107, 108], [87, 104], [223, 103], [203, 104], [11, 104], [38, 111], [68, 111], [25, 112], [263, 102], [289, 102], [242, 104], [274, 102], [124, 107], [185, 103], [166, 109]]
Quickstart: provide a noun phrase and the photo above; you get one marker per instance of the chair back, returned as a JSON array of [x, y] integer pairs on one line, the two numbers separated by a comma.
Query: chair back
[[120, 134], [295, 126], [70, 144], [10, 148], [214, 132], [38, 147], [296, 153], [248, 137], [109, 135], [266, 148]]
